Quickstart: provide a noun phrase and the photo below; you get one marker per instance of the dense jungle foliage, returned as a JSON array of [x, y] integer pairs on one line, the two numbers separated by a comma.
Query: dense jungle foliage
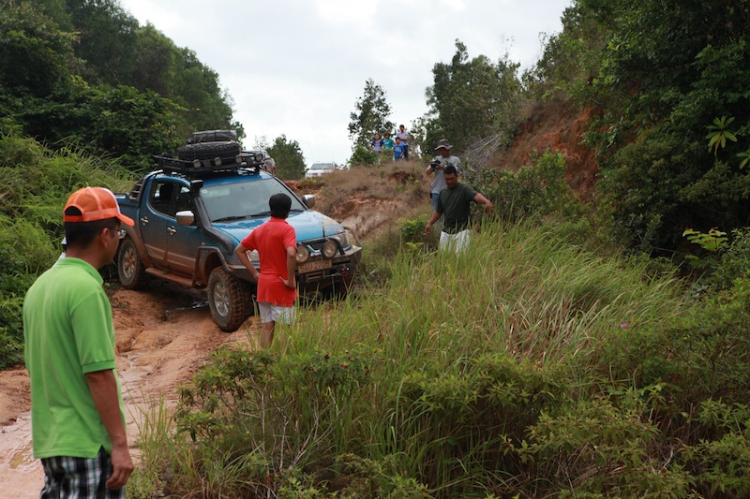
[[84, 73], [671, 85], [563, 356]]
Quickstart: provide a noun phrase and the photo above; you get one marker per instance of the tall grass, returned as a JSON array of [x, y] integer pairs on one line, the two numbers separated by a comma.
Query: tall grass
[[430, 384]]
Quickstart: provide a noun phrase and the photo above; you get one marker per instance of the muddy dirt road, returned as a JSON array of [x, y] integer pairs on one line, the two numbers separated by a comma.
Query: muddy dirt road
[[161, 341]]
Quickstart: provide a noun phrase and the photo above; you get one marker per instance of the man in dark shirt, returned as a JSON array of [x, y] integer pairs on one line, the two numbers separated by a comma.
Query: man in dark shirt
[[455, 203]]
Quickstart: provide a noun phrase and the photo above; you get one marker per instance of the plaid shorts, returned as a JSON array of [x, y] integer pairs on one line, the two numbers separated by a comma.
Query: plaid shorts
[[78, 478]]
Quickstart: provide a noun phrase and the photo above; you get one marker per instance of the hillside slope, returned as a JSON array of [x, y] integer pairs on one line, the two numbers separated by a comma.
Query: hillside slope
[[164, 334]]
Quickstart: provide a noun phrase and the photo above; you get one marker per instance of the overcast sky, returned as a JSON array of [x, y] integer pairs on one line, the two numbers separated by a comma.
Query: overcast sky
[[297, 67]]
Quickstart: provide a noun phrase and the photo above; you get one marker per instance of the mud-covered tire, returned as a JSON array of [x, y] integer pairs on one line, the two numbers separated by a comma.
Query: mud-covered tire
[[130, 268], [229, 299], [208, 150]]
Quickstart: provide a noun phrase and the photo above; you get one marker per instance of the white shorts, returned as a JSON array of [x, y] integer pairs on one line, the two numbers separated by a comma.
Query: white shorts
[[455, 242], [274, 313]]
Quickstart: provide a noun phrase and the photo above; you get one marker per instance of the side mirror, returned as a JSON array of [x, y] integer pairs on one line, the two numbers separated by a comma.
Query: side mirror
[[309, 200], [185, 218]]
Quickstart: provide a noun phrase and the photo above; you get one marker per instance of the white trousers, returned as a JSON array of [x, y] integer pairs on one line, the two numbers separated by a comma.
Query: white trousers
[[455, 242]]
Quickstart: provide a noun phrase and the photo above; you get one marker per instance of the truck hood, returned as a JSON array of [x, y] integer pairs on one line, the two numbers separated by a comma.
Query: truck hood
[[308, 225]]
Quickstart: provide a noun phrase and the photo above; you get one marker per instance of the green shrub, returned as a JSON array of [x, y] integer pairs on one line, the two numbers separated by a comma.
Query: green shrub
[[702, 353], [537, 190], [603, 447], [25, 251], [363, 156], [720, 259], [720, 463], [458, 425]]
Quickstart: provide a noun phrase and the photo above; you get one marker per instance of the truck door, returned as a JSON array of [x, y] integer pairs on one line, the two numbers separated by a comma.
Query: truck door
[[183, 241], [154, 219]]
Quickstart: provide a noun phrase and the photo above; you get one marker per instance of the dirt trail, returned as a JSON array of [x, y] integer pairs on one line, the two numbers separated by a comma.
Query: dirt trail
[[161, 341]]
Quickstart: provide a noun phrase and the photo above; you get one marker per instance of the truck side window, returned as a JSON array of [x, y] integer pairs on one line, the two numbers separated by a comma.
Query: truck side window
[[184, 201], [161, 197]]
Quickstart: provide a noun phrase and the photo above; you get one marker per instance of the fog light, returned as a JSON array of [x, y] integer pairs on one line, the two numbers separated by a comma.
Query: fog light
[[217, 161], [197, 163], [303, 254], [238, 159], [329, 249]]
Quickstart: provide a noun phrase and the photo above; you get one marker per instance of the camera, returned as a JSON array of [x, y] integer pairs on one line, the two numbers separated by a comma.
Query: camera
[[434, 164]]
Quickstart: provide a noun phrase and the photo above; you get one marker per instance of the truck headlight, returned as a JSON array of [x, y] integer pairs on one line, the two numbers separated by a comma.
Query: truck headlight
[[329, 249], [341, 238], [303, 254]]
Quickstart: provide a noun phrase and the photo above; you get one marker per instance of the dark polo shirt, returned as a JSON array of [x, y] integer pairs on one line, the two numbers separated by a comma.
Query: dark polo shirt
[[455, 205]]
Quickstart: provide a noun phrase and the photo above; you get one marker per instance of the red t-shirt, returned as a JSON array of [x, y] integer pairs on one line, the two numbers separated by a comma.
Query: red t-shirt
[[271, 240]]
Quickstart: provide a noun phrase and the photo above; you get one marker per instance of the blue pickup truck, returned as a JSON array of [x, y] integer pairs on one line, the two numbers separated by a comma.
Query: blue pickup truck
[[191, 215]]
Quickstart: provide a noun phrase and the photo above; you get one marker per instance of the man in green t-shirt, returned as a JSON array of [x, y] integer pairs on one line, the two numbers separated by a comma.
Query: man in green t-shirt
[[77, 415], [455, 203]]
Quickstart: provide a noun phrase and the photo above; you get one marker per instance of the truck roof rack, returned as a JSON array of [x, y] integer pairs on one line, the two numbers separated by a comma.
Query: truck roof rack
[[203, 167]]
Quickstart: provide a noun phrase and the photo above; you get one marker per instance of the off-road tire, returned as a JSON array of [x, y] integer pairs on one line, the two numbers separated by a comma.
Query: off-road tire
[[130, 268], [229, 299], [213, 136], [208, 150]]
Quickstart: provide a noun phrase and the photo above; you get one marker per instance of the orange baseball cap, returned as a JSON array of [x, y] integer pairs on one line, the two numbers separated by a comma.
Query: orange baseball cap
[[95, 203]]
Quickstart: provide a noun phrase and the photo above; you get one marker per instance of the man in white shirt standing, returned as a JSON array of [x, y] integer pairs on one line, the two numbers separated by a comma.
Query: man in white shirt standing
[[436, 168]]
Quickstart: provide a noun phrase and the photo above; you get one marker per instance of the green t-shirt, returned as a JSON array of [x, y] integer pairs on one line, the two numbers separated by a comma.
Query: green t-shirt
[[68, 332], [455, 204]]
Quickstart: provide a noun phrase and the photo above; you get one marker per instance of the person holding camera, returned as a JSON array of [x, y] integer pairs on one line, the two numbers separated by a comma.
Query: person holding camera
[[436, 168], [455, 203]]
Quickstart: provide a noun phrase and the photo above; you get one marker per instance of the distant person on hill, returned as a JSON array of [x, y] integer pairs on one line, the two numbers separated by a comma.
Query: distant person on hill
[[455, 203], [377, 144], [77, 414], [437, 167], [404, 136], [276, 243], [388, 142], [398, 151]]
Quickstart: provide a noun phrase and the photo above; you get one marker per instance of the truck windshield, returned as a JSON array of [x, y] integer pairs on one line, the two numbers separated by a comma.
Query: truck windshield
[[243, 199]]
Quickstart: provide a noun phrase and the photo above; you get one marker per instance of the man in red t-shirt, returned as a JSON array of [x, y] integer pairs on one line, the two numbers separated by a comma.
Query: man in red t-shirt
[[276, 243]]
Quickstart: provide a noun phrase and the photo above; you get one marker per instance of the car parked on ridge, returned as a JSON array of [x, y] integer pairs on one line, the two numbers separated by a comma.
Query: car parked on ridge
[[319, 169]]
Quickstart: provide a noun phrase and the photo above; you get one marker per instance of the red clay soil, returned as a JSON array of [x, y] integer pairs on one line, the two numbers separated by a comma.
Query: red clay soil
[[556, 126]]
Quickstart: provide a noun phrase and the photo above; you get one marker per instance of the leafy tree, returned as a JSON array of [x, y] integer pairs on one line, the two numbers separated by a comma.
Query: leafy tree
[[571, 58], [670, 71], [52, 94], [290, 163], [370, 116], [107, 39], [196, 88], [471, 99], [153, 67], [36, 58]]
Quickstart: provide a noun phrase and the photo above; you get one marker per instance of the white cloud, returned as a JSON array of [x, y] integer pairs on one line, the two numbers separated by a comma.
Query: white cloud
[[297, 66]]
